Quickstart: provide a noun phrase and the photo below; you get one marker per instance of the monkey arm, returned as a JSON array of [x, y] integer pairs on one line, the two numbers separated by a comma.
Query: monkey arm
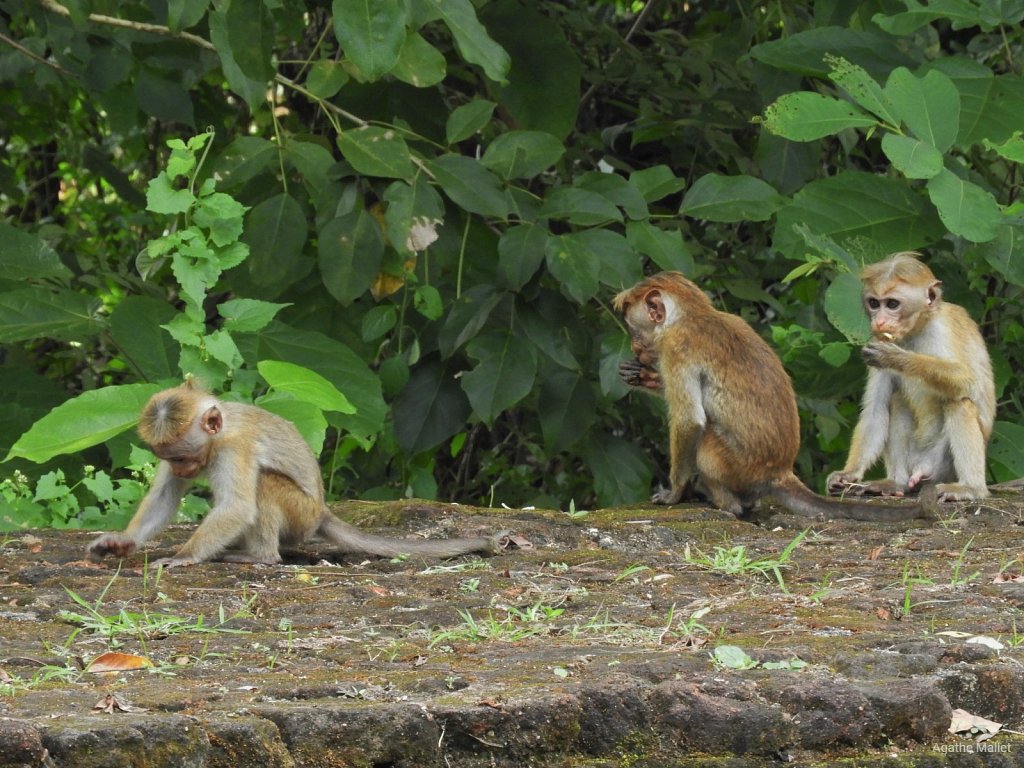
[[153, 515], [870, 434], [687, 420], [950, 379]]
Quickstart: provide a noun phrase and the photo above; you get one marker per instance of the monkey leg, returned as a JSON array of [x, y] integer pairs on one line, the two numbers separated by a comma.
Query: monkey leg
[[967, 445]]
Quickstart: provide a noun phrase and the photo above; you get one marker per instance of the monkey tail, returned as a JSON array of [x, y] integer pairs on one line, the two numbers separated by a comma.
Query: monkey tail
[[801, 500], [350, 540]]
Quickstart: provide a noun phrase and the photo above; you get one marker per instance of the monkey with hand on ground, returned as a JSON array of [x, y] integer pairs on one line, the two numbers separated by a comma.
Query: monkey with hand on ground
[[734, 430], [266, 484], [930, 401]]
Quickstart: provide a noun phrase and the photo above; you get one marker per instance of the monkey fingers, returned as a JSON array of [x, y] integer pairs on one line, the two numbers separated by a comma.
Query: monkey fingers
[[172, 562], [111, 544], [843, 483], [880, 354]]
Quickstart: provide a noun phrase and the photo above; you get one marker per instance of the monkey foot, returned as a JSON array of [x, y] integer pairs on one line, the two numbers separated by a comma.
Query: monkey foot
[[172, 562], [958, 492]]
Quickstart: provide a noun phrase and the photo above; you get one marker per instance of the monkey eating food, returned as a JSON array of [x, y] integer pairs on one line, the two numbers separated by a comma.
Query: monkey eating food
[[734, 430], [929, 403], [266, 484]]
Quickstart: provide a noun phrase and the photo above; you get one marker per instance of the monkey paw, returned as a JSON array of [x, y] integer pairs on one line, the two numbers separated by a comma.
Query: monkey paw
[[172, 562], [844, 483], [881, 354], [110, 544], [668, 496]]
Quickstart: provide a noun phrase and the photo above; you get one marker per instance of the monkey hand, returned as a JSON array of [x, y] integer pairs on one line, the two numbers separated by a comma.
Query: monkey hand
[[839, 483], [172, 562], [116, 544], [636, 373], [882, 354], [669, 495]]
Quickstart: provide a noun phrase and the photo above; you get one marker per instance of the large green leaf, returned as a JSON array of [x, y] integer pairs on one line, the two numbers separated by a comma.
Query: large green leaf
[[622, 472], [409, 205], [87, 420], [469, 185], [375, 151], [27, 257], [34, 313], [579, 206], [805, 52], [845, 309], [334, 361], [868, 214], [1005, 253], [306, 417], [468, 119], [1006, 451], [522, 154], [466, 316], [351, 249], [371, 33], [276, 233], [505, 373], [312, 159], [929, 105], [567, 408], [656, 182], [714, 197], [244, 159], [472, 40], [808, 116], [965, 208], [419, 63], [617, 190], [253, 90], [665, 247], [543, 88], [250, 28], [148, 348], [430, 409], [960, 13], [912, 157], [304, 384], [862, 88], [248, 315], [574, 265], [521, 252], [990, 105]]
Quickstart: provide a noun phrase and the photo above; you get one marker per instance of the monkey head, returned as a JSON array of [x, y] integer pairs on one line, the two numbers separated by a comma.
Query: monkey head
[[900, 296], [653, 304], [179, 425]]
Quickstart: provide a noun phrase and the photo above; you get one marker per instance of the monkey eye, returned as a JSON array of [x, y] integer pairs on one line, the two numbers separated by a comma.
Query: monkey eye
[[892, 304], [874, 303]]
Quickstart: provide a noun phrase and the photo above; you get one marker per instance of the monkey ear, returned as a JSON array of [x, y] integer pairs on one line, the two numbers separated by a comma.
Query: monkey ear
[[212, 421], [934, 294], [655, 306]]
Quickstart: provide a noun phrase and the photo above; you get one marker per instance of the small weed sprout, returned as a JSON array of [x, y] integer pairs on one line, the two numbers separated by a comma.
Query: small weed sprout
[[575, 514], [735, 561], [959, 579]]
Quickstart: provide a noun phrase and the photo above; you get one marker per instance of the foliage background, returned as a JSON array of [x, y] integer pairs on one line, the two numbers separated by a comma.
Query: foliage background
[[557, 150]]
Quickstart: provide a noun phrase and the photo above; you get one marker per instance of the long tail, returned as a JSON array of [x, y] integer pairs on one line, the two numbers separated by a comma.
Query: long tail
[[351, 540], [800, 499]]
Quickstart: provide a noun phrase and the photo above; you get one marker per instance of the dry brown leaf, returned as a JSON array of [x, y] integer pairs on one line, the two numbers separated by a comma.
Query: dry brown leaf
[[112, 703], [118, 662], [875, 553]]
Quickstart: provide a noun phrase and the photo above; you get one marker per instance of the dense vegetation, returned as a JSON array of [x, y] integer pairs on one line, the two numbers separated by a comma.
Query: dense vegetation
[[425, 205]]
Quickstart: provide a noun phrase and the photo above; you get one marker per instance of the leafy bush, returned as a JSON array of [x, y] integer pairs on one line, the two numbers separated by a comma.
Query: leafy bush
[[437, 200]]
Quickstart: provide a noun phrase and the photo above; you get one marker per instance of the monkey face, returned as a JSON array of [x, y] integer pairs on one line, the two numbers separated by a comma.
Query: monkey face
[[186, 465]]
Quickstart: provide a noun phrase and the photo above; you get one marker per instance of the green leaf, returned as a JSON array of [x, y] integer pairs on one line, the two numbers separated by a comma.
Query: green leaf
[[805, 52], [27, 257], [575, 267], [714, 197], [961, 13], [469, 185], [579, 206], [351, 250], [222, 216], [619, 265], [347, 371], [622, 472], [250, 28], [375, 151], [522, 154], [990, 105], [467, 120], [929, 105], [1011, 149], [163, 98], [430, 409], [162, 197], [427, 301], [244, 159], [665, 247], [34, 313], [616, 190], [912, 157], [326, 78], [965, 208], [307, 417], [845, 308], [1005, 253], [417, 205], [466, 316], [248, 315], [419, 63], [371, 33], [135, 327], [220, 346], [253, 90], [807, 116], [305, 384], [87, 420], [862, 212], [471, 39], [378, 321], [1007, 449], [521, 252], [505, 373], [862, 88], [835, 353], [567, 407], [183, 14], [733, 657], [312, 160], [276, 233], [545, 79], [656, 182]]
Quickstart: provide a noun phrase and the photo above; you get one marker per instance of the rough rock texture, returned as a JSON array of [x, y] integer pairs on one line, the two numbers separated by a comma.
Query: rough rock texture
[[592, 649]]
